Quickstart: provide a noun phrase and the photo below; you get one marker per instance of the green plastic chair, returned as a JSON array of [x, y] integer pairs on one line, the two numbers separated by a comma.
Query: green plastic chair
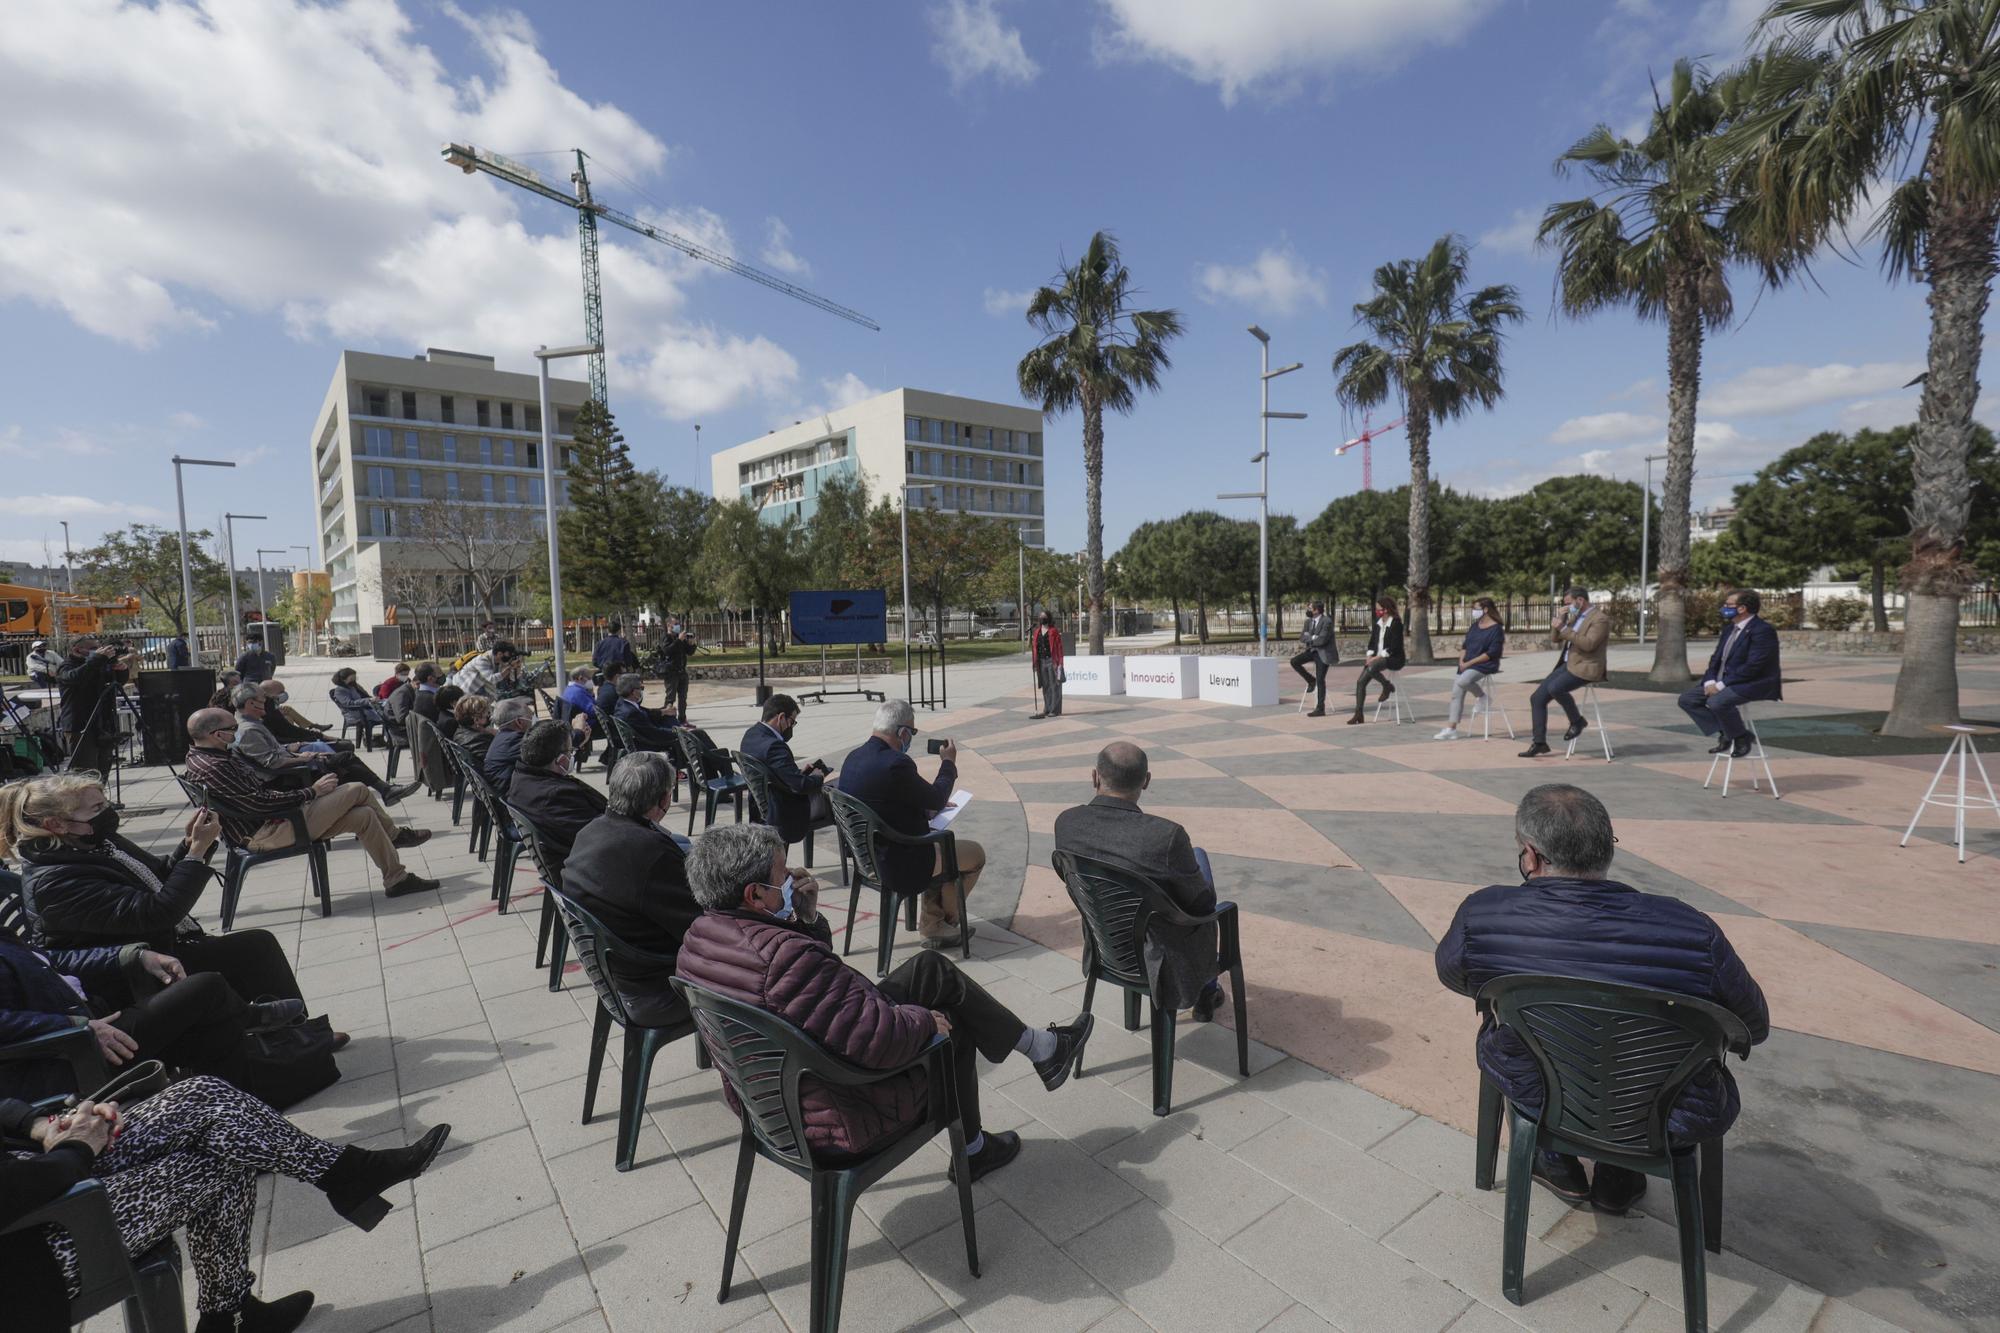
[[1614, 1060], [551, 936], [763, 1058], [864, 833], [1118, 907], [765, 811]]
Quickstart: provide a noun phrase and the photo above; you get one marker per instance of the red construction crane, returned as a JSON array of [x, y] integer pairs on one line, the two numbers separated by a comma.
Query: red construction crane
[[1367, 434]]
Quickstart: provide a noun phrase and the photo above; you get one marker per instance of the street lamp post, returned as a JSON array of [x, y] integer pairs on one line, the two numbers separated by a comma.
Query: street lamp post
[[187, 571], [1645, 534], [1021, 600], [69, 574], [697, 456], [1262, 495], [229, 546], [263, 613], [544, 355], [903, 511]]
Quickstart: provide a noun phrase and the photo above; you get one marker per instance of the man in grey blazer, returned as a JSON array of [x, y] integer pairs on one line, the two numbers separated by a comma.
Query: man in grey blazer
[[255, 742], [1316, 646], [1112, 827]]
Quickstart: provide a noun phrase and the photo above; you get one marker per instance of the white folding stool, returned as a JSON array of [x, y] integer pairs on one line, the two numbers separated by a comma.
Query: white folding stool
[[1727, 759], [1597, 717], [1399, 709], [1488, 700]]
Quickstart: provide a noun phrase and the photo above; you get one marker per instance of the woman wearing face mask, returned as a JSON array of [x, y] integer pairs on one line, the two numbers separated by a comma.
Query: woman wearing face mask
[[84, 886], [1485, 640]]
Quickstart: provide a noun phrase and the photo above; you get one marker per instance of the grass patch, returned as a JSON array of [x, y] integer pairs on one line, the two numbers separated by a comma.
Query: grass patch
[[1636, 680], [955, 651], [1849, 735]]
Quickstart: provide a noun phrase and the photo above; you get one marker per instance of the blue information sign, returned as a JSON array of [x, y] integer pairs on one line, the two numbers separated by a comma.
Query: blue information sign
[[858, 616]]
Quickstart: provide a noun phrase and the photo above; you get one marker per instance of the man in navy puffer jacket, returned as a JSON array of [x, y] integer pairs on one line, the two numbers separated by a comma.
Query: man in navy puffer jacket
[[1567, 919]]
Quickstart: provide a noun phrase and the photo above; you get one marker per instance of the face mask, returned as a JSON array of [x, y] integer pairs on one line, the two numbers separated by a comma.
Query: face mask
[[561, 765], [105, 822], [905, 747], [1520, 864], [1729, 613], [281, 696], [784, 913]]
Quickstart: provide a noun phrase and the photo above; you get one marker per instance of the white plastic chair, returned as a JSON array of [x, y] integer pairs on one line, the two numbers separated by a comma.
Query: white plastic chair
[[1597, 720], [1728, 760], [1399, 709]]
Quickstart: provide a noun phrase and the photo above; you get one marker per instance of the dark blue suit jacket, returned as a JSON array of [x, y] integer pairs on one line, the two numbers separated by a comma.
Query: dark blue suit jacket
[[792, 788], [501, 757], [1752, 670], [34, 998], [646, 727], [887, 781]]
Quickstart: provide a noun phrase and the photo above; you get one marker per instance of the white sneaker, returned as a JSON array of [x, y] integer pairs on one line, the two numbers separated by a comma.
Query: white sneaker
[[1448, 734]]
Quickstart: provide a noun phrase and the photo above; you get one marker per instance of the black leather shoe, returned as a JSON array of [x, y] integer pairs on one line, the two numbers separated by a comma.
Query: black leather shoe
[[1563, 1177], [396, 794], [1614, 1190], [1000, 1148], [1536, 749], [1206, 1003], [1070, 1038], [255, 1316], [1742, 745], [1572, 732], [355, 1181], [410, 883], [1721, 746], [269, 1015], [411, 837], [1317, 712]]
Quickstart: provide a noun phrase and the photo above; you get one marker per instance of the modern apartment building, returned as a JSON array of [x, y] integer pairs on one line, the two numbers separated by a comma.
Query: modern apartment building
[[983, 458], [395, 434]]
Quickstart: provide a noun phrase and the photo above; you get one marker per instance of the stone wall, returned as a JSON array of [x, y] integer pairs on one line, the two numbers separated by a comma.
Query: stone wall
[[1868, 644]]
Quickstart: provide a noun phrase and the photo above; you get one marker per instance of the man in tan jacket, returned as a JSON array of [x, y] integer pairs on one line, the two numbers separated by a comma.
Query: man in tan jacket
[[1582, 632]]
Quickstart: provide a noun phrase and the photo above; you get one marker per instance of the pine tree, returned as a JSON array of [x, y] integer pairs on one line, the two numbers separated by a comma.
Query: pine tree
[[603, 531]]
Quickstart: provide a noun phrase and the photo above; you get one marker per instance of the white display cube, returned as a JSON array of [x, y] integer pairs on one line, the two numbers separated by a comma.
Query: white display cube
[[1094, 675], [1164, 677], [1249, 681]]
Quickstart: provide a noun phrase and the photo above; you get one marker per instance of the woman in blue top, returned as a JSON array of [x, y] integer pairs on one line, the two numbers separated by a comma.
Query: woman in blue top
[[1480, 658]]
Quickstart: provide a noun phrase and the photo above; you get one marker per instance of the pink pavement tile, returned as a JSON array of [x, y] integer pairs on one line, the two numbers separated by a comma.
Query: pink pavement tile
[[959, 717], [1250, 743], [1065, 750], [1858, 789], [1386, 793], [1034, 733], [1421, 752], [1835, 874], [1079, 771], [1275, 835], [977, 775], [1046, 915], [1433, 902], [1813, 989], [1140, 728]]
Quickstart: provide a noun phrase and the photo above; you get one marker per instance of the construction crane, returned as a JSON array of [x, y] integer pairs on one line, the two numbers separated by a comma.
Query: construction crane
[[470, 159], [1367, 450]]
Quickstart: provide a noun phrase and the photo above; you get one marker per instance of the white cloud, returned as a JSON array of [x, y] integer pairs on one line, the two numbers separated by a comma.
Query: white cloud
[[1001, 303], [834, 394], [1273, 46], [1879, 413], [778, 248], [74, 507], [1277, 280], [317, 190], [1516, 236], [186, 421], [1765, 390], [1606, 427], [971, 41], [1639, 388]]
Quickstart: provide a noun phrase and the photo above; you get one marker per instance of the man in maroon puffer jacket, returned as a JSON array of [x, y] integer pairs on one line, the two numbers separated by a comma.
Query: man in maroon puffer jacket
[[763, 941]]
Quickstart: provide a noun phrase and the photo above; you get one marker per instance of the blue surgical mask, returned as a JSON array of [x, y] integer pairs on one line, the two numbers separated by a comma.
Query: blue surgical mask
[[908, 740], [785, 913], [1729, 613], [283, 695]]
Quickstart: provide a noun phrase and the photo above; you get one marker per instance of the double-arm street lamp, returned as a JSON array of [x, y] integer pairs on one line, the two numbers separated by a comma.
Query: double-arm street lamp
[[1262, 495], [544, 355], [187, 572]]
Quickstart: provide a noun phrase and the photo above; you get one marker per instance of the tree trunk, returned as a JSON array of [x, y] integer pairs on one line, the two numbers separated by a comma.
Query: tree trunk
[[1177, 621], [1093, 513], [1419, 590], [1959, 258], [1201, 619], [1875, 597], [1670, 653]]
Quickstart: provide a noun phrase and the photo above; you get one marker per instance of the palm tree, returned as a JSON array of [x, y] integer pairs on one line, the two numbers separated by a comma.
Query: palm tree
[[1866, 94], [1098, 352], [1438, 349], [1659, 236]]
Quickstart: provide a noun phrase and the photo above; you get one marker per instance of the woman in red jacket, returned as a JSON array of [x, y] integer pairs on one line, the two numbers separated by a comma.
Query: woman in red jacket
[[1047, 656]]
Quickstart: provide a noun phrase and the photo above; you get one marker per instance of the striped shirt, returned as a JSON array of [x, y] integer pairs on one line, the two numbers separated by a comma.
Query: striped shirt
[[245, 786]]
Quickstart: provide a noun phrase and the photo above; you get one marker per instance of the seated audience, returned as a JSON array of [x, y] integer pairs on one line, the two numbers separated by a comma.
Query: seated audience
[[447, 706], [484, 673], [582, 701], [472, 729], [356, 705], [187, 1157], [225, 686], [761, 940], [395, 681], [329, 805], [632, 875], [282, 718], [510, 723], [1742, 669], [1478, 662], [255, 742], [256, 664], [797, 794], [1566, 918], [650, 729], [1582, 633], [1181, 963], [880, 772], [546, 793], [416, 695]]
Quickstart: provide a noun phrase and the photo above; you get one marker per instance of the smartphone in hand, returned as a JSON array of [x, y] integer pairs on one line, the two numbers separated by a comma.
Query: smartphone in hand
[[937, 744]]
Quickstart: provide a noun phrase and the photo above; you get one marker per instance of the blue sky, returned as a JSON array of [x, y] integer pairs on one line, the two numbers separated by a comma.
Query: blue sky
[[204, 204]]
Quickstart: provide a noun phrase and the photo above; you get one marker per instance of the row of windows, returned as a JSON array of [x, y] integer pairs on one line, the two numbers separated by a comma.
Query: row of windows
[[485, 411], [382, 483], [927, 430], [936, 463], [794, 460], [986, 501], [388, 521], [384, 442]]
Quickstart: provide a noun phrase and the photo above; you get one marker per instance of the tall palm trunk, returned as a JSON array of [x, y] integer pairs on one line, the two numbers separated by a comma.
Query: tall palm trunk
[[1093, 513], [1960, 260], [1419, 583], [1670, 655], [1876, 601]]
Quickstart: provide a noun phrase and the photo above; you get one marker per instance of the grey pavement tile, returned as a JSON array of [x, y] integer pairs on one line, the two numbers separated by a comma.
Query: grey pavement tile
[[555, 1117], [361, 1281], [1644, 1252], [1480, 1318], [1174, 1277], [351, 1110], [1059, 1188], [1090, 1112], [1120, 1320], [665, 1273], [882, 1291], [1838, 1316], [509, 972], [542, 1058], [531, 1010], [430, 1062], [704, 1133], [1026, 1283], [1461, 1244], [1213, 1046], [1044, 969], [1342, 1275], [915, 1199], [319, 950], [600, 1201], [1220, 1109], [440, 1011], [322, 981], [369, 1051], [1441, 1157], [476, 1187], [1333, 1104], [1297, 1319], [523, 1276], [1202, 1185], [475, 1108], [1952, 972], [1363, 1191]]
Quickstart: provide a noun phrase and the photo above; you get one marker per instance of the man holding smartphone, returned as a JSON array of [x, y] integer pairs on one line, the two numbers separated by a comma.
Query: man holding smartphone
[[880, 773]]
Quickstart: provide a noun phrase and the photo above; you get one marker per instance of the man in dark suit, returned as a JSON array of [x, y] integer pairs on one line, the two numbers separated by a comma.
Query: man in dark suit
[[545, 794], [649, 729], [1113, 828], [1743, 669], [632, 875], [1316, 648], [796, 792], [880, 773], [614, 652], [416, 695], [510, 724]]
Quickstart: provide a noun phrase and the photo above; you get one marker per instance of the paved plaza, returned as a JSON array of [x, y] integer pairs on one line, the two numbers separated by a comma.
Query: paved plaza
[[1333, 1188]]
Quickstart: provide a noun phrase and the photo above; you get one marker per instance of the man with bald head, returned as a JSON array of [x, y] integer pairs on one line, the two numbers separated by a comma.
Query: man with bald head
[[1113, 828]]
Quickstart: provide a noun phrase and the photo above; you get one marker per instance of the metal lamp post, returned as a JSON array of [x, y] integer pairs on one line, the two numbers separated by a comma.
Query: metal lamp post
[[1645, 534], [1021, 599], [544, 355], [187, 572], [903, 513], [1262, 495], [69, 574], [229, 545], [263, 613]]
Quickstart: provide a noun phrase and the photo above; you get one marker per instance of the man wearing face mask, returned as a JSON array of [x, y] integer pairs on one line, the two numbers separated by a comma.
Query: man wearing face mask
[[632, 875], [798, 793], [546, 792], [1584, 635], [1566, 918], [1743, 669], [880, 773], [511, 718], [763, 941], [256, 743]]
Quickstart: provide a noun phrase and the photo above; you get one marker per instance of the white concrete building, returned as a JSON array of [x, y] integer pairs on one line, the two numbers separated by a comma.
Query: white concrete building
[[984, 458], [395, 433]]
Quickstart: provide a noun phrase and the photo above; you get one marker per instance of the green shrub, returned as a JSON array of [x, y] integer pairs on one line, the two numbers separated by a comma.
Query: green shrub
[[1781, 611], [1624, 613], [1839, 613]]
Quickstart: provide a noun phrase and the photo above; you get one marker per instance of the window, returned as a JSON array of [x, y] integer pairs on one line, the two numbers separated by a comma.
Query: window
[[512, 498], [410, 444], [451, 485], [986, 436], [451, 448], [506, 416], [913, 428], [486, 489], [377, 402], [531, 454], [445, 409], [534, 490], [375, 441], [381, 482], [531, 418], [486, 449], [485, 410], [409, 406], [565, 421], [506, 451], [413, 484]]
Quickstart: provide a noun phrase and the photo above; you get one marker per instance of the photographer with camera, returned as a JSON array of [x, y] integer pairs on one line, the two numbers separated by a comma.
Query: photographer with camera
[[880, 773], [91, 678]]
